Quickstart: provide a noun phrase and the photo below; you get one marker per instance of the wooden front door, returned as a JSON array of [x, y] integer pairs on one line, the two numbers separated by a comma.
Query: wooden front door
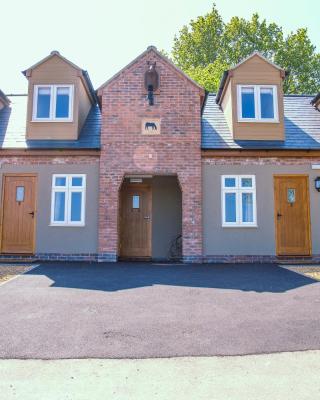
[[18, 214], [135, 221], [292, 215]]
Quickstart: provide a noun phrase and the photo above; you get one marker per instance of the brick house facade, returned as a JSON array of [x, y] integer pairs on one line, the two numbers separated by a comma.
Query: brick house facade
[[170, 170]]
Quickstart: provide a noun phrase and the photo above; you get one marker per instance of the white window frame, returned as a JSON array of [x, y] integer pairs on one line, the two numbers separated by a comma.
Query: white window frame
[[53, 102], [257, 103], [68, 190], [238, 190]]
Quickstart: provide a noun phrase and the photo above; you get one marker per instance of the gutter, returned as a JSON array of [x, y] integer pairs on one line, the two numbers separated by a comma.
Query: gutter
[[315, 99], [221, 86], [4, 98], [90, 86], [206, 94]]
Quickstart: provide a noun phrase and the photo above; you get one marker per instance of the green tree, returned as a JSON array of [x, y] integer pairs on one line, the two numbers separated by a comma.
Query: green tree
[[208, 46], [199, 43], [241, 38], [208, 76], [297, 56]]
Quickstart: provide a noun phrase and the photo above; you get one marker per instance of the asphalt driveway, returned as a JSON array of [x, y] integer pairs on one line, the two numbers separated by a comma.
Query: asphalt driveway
[[151, 310]]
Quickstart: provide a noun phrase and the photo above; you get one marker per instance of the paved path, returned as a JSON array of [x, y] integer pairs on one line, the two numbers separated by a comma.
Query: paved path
[[284, 376], [147, 310]]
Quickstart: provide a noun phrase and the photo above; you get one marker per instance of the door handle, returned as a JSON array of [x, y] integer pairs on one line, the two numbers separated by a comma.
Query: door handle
[[147, 217], [31, 213], [279, 215]]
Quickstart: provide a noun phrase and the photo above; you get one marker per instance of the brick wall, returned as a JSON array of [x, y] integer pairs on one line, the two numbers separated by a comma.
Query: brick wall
[[126, 151], [261, 160], [47, 160]]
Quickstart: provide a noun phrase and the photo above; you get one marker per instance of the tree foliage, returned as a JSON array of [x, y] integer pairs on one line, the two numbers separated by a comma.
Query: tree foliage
[[208, 46]]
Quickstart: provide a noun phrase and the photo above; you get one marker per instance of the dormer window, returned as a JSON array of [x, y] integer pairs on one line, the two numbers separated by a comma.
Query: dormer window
[[53, 103], [257, 103]]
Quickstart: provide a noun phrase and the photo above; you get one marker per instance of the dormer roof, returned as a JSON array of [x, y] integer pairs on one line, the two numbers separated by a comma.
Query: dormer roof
[[301, 122], [13, 129], [83, 73], [53, 53], [254, 54], [228, 72]]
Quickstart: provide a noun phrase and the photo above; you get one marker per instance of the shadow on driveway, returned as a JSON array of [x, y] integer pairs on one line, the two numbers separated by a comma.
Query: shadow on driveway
[[141, 310], [121, 276]]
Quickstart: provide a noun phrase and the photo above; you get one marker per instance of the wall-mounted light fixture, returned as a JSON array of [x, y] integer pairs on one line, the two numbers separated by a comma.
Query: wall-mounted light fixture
[[150, 95], [151, 82], [317, 183]]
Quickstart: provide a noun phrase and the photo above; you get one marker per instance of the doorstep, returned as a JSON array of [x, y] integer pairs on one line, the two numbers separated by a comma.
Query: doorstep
[[295, 260], [18, 258]]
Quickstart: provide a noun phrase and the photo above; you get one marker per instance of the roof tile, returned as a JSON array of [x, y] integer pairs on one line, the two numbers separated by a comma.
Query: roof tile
[[302, 127], [13, 129]]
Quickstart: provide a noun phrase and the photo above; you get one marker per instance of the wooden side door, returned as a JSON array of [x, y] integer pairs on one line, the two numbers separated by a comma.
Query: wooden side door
[[18, 214], [292, 215], [135, 221]]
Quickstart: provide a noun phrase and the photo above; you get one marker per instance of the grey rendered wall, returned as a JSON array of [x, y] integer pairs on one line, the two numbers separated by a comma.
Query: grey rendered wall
[[166, 214], [251, 241], [65, 240]]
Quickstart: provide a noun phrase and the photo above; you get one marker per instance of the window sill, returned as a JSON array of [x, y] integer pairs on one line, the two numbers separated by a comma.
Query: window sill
[[68, 225], [239, 226], [52, 120], [260, 121]]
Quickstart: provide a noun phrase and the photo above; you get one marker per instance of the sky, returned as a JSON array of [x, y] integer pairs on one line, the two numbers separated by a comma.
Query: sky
[[102, 36]]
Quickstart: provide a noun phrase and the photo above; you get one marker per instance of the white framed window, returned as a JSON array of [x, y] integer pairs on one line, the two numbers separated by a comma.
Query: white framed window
[[68, 200], [53, 103], [257, 103], [239, 208]]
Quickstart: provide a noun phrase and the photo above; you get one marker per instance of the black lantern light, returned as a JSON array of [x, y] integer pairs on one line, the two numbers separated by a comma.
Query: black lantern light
[[151, 82], [317, 183], [150, 95]]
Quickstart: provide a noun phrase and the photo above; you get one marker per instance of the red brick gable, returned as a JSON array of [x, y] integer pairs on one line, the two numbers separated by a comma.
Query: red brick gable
[[176, 150], [155, 52]]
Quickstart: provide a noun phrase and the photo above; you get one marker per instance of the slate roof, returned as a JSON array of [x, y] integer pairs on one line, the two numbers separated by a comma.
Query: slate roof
[[302, 127], [13, 129]]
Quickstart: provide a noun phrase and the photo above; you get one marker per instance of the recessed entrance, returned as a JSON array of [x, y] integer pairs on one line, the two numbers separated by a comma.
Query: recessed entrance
[[150, 218], [135, 221]]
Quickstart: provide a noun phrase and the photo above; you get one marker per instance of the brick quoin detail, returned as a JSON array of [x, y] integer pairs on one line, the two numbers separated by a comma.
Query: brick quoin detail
[[176, 151]]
